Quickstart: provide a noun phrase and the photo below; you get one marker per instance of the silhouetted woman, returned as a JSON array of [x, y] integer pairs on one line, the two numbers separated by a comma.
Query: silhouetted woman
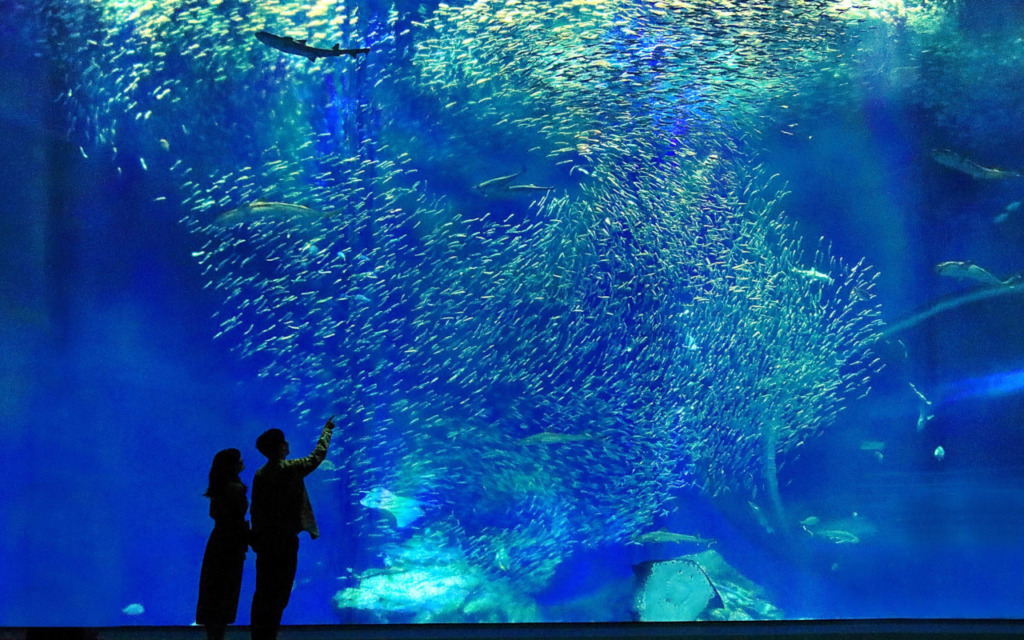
[[221, 577]]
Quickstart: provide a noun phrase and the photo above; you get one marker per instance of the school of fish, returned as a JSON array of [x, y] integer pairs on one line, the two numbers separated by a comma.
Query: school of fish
[[535, 369]]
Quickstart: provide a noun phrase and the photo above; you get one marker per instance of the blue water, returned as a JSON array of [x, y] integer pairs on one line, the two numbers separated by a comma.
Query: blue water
[[116, 396]]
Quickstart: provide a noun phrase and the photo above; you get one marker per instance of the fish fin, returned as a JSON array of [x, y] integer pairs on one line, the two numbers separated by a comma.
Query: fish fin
[[335, 47], [301, 41], [312, 57], [407, 515]]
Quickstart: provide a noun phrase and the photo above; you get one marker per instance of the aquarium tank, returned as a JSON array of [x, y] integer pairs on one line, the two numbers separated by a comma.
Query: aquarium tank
[[625, 310]]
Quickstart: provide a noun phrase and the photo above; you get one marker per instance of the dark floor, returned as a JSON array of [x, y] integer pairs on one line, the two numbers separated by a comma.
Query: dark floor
[[845, 630]]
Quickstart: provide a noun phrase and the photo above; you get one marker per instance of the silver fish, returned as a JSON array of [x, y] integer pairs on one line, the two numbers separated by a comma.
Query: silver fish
[[957, 162], [967, 269], [261, 209], [497, 184], [549, 437], [666, 536], [527, 187]]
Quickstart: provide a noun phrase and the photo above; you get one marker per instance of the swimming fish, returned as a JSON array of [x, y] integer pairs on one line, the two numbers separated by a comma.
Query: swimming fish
[[261, 209], [842, 531], [839, 536], [550, 437], [967, 269], [760, 517], [502, 559], [813, 274], [526, 187], [134, 609], [405, 511], [664, 535], [300, 48], [496, 184], [924, 413], [1005, 215], [939, 453], [957, 162]]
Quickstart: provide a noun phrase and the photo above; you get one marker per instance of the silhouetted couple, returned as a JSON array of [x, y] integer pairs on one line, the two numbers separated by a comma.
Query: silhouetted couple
[[280, 511]]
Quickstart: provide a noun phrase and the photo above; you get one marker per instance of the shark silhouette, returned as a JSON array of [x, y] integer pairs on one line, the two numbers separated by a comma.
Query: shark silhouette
[[300, 48]]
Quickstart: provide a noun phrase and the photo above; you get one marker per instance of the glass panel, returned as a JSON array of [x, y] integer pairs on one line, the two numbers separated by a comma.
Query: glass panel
[[623, 310]]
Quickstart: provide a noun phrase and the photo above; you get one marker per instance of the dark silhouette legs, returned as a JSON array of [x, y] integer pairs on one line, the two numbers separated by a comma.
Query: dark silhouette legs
[[275, 573], [215, 631]]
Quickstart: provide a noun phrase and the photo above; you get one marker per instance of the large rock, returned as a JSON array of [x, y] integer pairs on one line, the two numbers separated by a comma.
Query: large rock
[[701, 586], [742, 598], [673, 590]]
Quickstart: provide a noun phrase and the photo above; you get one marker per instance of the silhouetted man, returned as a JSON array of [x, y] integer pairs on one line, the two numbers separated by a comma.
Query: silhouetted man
[[280, 511]]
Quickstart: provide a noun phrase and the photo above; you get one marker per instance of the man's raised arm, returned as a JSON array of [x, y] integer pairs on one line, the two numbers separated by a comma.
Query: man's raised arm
[[307, 465]]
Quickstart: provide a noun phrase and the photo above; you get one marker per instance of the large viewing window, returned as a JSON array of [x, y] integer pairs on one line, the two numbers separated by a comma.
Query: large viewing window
[[624, 310]]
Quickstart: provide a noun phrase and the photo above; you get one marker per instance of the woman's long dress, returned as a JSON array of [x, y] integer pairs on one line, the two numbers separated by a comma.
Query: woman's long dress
[[221, 579]]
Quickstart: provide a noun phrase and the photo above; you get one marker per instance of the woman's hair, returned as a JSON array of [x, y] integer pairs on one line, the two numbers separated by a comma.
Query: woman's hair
[[224, 471]]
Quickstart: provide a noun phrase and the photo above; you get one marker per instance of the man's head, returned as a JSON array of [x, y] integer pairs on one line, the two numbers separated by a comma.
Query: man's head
[[272, 444]]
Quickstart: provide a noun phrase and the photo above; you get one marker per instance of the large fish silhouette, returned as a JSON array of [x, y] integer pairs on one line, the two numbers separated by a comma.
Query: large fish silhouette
[[405, 511], [263, 210], [957, 162], [300, 48], [969, 270]]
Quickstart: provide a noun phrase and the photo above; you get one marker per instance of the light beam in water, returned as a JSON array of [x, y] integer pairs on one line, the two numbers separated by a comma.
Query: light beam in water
[[990, 386], [948, 304]]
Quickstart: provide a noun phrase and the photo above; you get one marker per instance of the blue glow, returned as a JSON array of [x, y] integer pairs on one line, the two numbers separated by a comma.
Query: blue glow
[[994, 385]]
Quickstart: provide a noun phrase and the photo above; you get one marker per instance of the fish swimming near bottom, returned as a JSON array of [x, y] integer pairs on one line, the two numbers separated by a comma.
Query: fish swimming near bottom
[[405, 511], [263, 210], [300, 48], [967, 269], [957, 162], [664, 535]]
